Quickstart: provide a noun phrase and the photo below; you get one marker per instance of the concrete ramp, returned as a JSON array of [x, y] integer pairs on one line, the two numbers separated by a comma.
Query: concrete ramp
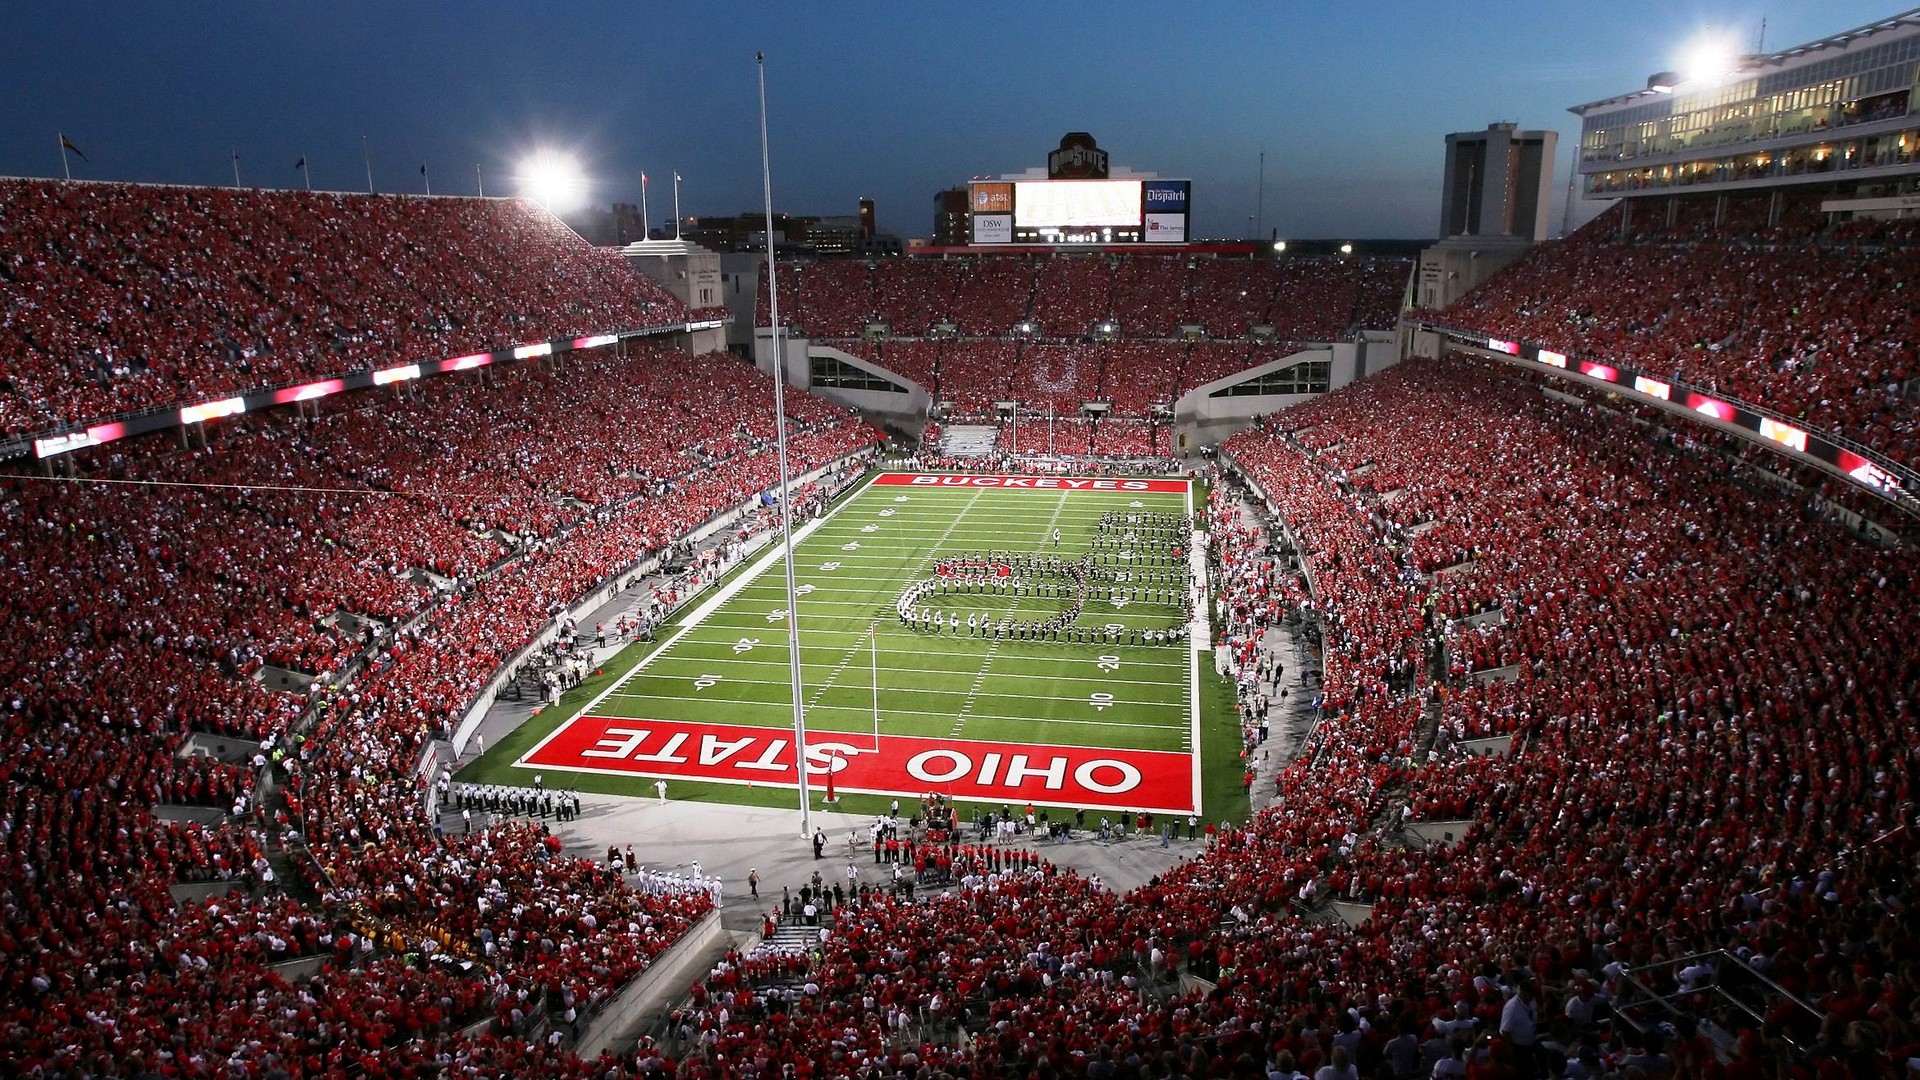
[[1351, 913], [1496, 674], [969, 440], [223, 748]]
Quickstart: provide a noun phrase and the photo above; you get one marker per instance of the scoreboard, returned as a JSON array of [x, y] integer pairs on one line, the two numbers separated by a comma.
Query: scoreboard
[[1080, 211]]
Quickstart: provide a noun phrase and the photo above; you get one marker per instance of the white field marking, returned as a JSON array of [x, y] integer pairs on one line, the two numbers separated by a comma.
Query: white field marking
[[983, 525], [709, 612], [1199, 636], [973, 692], [1141, 655], [699, 615], [866, 713], [1053, 664], [820, 688], [749, 683], [1049, 677]]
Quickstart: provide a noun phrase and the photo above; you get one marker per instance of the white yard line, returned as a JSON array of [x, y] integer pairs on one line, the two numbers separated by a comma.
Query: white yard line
[[973, 692]]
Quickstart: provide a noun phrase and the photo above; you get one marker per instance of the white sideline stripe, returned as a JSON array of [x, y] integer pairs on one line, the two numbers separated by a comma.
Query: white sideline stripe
[[699, 615], [1199, 636]]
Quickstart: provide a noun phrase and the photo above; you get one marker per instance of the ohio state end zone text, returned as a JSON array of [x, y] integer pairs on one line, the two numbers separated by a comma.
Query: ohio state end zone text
[[1060, 776]]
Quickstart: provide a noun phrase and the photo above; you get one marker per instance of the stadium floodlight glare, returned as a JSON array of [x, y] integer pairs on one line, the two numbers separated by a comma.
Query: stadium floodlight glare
[[1708, 59], [553, 180], [1346, 249], [1279, 245]]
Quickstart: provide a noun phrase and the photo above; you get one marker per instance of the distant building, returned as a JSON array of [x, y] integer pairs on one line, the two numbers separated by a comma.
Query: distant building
[[1496, 197], [950, 217], [1498, 182], [840, 235]]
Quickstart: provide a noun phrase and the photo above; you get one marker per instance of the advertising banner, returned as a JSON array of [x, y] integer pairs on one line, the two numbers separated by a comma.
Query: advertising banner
[[1031, 483], [1165, 196], [996, 198], [1166, 228], [993, 228]]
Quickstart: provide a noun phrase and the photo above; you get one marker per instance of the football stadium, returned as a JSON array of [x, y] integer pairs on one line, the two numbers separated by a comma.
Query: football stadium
[[467, 635]]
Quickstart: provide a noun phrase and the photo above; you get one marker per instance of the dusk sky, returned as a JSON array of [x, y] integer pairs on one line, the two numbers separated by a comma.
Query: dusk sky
[[889, 100]]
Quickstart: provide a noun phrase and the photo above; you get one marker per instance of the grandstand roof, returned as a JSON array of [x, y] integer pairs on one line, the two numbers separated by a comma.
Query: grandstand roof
[[1756, 63]]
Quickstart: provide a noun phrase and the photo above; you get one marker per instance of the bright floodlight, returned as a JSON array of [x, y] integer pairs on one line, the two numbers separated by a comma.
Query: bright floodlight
[[553, 180], [1346, 249], [1708, 58], [1279, 245]]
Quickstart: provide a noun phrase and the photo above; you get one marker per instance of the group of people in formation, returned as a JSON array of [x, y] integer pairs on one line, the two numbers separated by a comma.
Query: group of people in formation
[[1049, 577], [1148, 538]]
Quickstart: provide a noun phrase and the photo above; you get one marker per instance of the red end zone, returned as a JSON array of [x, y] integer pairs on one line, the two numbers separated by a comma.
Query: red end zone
[[1110, 484], [1157, 781]]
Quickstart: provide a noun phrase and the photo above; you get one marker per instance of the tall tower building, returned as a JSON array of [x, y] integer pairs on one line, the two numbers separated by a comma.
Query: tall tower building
[[1499, 182]]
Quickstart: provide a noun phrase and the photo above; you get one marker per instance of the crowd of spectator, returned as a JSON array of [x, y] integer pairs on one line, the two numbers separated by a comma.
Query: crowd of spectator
[[1808, 321], [1132, 376], [1710, 710], [1067, 297], [121, 297], [1712, 756], [426, 537]]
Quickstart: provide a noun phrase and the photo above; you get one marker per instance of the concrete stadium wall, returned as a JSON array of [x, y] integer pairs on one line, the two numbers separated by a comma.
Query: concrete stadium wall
[[655, 988]]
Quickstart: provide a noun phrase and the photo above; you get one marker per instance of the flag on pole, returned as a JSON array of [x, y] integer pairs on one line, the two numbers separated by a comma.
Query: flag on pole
[[643, 179], [67, 144], [301, 164]]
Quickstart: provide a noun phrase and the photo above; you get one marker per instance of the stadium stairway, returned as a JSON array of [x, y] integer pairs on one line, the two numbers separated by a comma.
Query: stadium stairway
[[792, 936]]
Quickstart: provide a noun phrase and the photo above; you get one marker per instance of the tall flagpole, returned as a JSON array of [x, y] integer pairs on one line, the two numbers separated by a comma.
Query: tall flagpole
[[676, 207], [786, 491], [646, 230], [65, 169], [427, 180], [366, 153], [477, 184], [306, 173], [236, 166]]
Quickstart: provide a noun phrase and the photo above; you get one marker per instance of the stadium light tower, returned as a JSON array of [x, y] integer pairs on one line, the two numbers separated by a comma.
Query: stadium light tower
[[786, 482], [553, 180]]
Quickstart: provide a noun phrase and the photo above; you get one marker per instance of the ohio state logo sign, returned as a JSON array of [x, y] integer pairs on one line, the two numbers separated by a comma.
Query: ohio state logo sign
[[1077, 159]]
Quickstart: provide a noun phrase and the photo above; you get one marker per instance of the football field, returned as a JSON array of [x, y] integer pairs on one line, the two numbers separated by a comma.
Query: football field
[[1042, 682]]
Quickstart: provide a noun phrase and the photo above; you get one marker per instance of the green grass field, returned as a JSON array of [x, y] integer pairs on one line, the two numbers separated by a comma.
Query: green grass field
[[728, 662]]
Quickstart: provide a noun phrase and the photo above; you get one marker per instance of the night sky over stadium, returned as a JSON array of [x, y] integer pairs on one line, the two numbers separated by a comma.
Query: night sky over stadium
[[893, 101]]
